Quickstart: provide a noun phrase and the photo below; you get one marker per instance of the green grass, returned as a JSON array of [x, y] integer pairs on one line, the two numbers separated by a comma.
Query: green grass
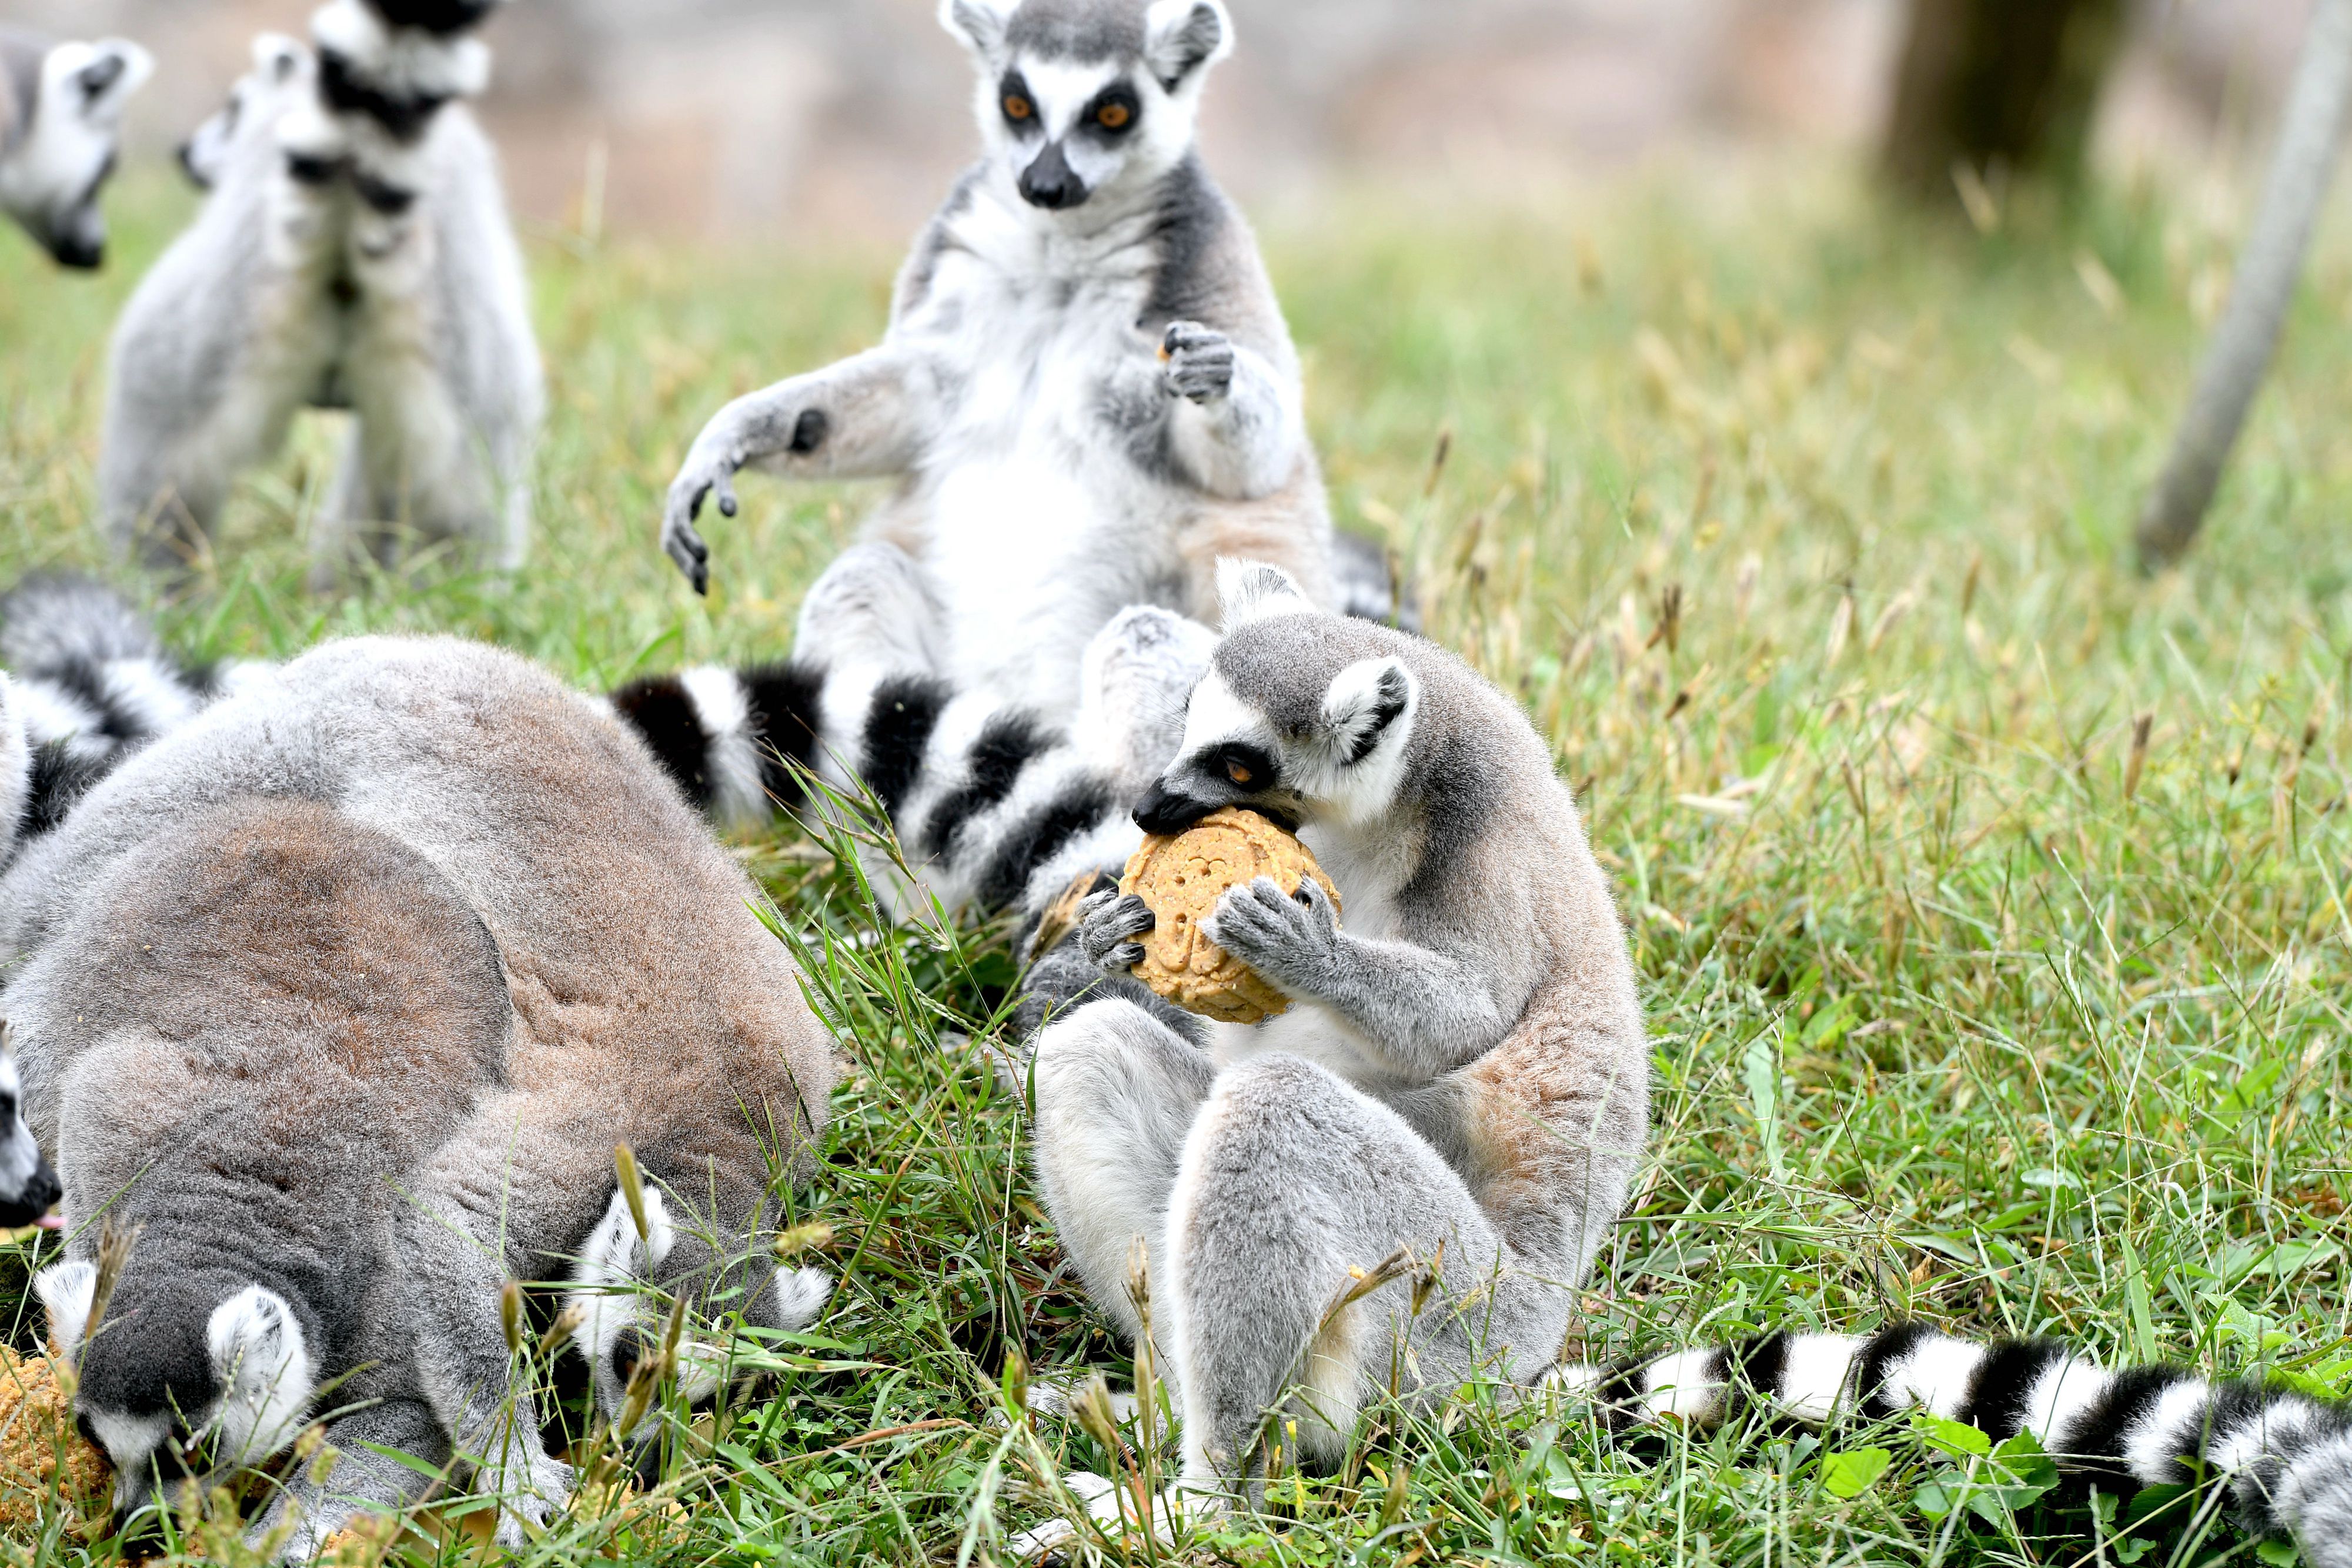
[[1799, 528]]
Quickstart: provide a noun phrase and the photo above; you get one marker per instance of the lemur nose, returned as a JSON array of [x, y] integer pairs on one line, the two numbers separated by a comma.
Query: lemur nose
[[1050, 182], [1166, 810]]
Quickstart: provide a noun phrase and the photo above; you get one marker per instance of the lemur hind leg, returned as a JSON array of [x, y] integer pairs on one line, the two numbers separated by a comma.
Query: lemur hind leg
[[874, 605], [1290, 1180], [1117, 1092]]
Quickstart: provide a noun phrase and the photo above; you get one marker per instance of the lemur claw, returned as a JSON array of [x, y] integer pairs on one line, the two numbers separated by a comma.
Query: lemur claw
[[1108, 923], [1200, 361], [1272, 931]]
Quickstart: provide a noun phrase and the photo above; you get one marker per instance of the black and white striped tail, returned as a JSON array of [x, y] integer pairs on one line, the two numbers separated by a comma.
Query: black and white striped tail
[[2286, 1456], [92, 684], [386, 69], [993, 807]]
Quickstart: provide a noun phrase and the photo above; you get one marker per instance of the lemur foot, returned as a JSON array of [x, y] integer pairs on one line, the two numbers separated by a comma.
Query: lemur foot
[[1286, 936], [1200, 361], [1109, 922], [525, 1506]]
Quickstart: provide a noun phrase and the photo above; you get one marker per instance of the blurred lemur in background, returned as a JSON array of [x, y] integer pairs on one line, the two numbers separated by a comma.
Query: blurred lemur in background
[[1086, 392], [354, 253], [61, 121]]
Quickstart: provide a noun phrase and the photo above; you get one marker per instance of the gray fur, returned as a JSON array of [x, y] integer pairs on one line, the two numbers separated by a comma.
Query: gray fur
[[1019, 392], [1463, 1067], [335, 264], [60, 123], [516, 947]]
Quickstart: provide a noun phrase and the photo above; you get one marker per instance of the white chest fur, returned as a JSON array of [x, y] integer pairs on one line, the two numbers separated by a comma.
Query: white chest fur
[[1041, 520]]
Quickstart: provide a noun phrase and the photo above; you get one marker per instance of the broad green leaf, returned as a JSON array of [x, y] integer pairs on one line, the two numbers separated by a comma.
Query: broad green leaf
[[1849, 1472]]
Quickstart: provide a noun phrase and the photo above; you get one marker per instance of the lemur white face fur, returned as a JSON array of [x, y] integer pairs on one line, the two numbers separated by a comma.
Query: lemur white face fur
[[1077, 99], [27, 1185], [279, 76], [1338, 758], [174, 1401], [60, 118]]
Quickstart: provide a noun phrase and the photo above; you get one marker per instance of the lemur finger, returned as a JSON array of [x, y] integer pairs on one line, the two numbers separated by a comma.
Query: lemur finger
[[1126, 955]]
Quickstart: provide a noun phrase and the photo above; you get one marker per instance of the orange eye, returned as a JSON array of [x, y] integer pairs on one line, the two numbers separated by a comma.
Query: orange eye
[[1017, 108], [1111, 116], [1238, 773]]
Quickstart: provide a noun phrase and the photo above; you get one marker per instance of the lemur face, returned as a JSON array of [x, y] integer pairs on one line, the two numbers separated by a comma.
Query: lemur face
[[178, 1382], [50, 179], [1299, 717], [1080, 96], [29, 1188], [281, 66]]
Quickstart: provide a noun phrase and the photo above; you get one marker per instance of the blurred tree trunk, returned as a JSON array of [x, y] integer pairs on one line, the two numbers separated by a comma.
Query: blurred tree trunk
[[2311, 128], [1998, 84]]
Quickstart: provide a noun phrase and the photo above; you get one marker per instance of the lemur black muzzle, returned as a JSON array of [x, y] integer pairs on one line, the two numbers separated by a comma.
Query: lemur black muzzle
[[30, 1202], [1166, 810], [1050, 182]]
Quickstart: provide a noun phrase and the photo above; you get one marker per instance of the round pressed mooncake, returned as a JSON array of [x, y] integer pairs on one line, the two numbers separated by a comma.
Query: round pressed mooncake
[[1182, 876]]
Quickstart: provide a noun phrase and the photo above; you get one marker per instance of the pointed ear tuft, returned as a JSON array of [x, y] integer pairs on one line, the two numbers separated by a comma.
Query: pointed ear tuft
[[66, 1290], [1251, 590], [979, 23], [263, 1368], [1367, 702], [1181, 38]]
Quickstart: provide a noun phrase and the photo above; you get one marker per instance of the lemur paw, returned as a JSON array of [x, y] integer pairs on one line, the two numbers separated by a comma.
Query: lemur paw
[[1282, 935], [527, 1505], [708, 472], [1109, 922], [1200, 361]]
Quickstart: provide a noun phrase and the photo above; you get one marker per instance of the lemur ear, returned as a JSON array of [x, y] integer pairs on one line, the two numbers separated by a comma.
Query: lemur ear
[[1251, 590], [263, 1368], [66, 1290], [1181, 38], [116, 68], [979, 23], [1367, 703]]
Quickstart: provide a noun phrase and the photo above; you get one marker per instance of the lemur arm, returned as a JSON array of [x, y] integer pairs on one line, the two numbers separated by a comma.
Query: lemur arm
[[867, 416], [1237, 428], [1425, 1011]]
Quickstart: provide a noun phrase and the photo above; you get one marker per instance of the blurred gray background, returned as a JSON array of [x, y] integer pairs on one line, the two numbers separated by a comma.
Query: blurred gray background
[[843, 118]]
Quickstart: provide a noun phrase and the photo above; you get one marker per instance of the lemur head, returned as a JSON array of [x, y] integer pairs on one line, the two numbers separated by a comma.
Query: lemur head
[[27, 1185], [187, 1372], [58, 149], [283, 69], [1080, 96], [1304, 715], [623, 1282]]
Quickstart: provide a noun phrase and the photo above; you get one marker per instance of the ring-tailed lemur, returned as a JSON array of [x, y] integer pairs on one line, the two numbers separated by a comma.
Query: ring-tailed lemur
[[1086, 391], [1464, 1074], [2285, 1458], [60, 121], [355, 253], [342, 995]]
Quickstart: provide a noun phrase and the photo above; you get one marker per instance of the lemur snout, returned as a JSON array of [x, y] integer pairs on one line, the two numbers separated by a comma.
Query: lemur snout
[[32, 1201], [1166, 810], [1050, 182]]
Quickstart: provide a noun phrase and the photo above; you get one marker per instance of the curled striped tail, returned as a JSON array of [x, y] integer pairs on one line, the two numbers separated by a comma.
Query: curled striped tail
[[2286, 1456], [995, 805], [91, 682]]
